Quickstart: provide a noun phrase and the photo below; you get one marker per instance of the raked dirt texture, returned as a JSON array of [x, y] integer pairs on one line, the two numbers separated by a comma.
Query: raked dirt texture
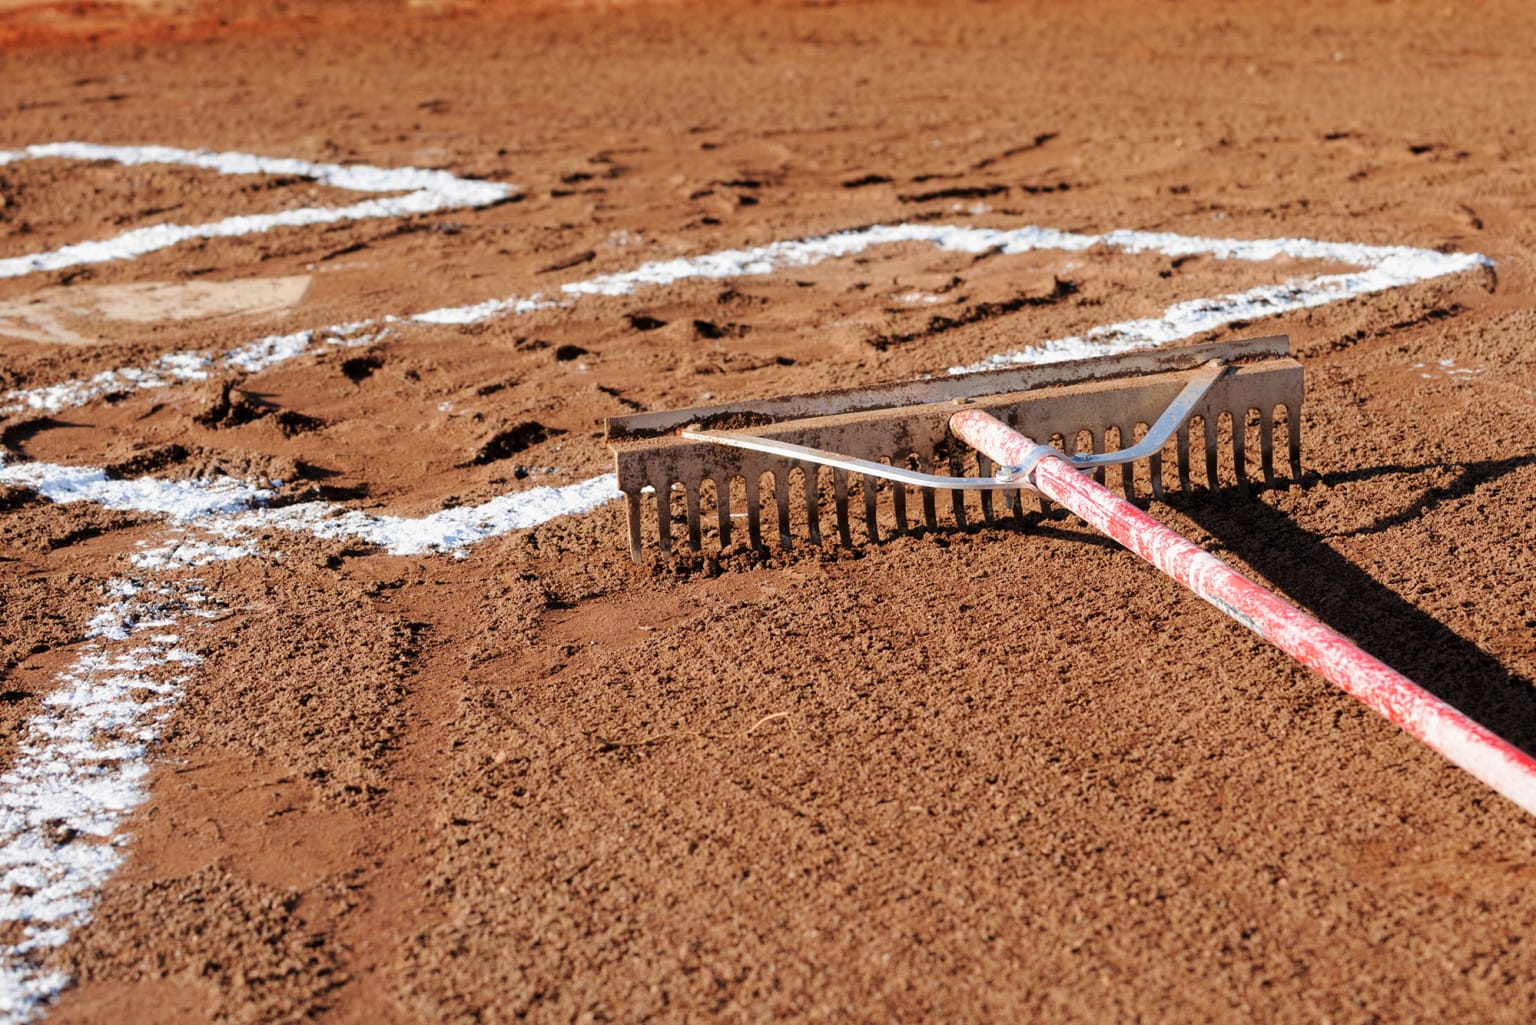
[[329, 690]]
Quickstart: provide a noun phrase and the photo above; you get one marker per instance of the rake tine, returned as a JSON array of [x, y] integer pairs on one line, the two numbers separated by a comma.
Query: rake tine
[[1181, 448], [812, 503], [1155, 474], [1212, 478], [1097, 439], [632, 506], [957, 498], [1240, 450], [691, 496], [985, 468], [723, 510], [1267, 446], [840, 501], [1013, 502], [754, 509], [871, 510], [781, 499], [664, 517], [899, 499], [1127, 470], [1293, 438], [930, 509]]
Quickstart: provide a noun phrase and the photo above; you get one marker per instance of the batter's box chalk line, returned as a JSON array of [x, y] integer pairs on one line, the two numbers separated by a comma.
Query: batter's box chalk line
[[1377, 269], [82, 764], [420, 191]]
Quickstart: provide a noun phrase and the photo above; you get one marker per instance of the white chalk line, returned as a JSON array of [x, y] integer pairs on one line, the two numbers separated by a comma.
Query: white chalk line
[[82, 767], [237, 509], [1381, 268], [50, 787], [424, 192]]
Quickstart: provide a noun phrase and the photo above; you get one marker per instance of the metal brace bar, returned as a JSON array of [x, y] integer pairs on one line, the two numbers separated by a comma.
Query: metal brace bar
[[1008, 478]]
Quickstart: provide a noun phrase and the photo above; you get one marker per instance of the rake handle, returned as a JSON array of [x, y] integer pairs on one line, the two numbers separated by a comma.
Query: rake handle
[[1459, 739]]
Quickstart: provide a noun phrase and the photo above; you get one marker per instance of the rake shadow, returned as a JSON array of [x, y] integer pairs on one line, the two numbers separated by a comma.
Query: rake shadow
[[1471, 477], [1307, 570]]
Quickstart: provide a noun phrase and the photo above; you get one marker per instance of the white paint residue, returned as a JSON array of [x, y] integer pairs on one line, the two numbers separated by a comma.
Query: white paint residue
[[491, 309], [80, 771], [1447, 368], [422, 192], [737, 263], [187, 365]]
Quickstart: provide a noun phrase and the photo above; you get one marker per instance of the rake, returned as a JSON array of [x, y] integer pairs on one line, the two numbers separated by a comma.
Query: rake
[[972, 438]]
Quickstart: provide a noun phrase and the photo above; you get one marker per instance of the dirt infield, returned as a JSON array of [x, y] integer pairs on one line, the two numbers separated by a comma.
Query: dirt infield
[[328, 689]]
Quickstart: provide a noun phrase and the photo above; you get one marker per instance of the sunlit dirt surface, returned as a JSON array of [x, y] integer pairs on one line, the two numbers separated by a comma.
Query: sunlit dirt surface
[[998, 773]]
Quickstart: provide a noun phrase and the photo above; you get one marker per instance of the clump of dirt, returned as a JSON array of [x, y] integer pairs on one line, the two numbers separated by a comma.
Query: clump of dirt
[[977, 313], [39, 526], [14, 496], [644, 322], [509, 442], [201, 462], [232, 406], [359, 368], [147, 460]]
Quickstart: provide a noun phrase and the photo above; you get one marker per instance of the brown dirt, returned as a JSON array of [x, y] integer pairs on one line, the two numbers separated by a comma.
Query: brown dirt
[[991, 774]]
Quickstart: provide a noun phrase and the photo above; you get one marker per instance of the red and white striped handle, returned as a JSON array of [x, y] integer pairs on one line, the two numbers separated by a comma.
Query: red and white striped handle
[[1390, 694]]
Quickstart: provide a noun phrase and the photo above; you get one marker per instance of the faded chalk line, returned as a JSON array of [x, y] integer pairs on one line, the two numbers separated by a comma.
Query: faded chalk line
[[83, 761], [424, 192]]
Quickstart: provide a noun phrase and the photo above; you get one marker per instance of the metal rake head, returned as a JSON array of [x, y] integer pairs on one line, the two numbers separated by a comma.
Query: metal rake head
[[709, 468]]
